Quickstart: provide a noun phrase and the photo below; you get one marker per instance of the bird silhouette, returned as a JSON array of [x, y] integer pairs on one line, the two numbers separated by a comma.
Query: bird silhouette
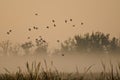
[[36, 39], [54, 25], [58, 41], [65, 21], [10, 30], [63, 55], [53, 21], [73, 25], [28, 37], [82, 23], [34, 27], [70, 19], [36, 14], [8, 33], [44, 41], [47, 27], [29, 29]]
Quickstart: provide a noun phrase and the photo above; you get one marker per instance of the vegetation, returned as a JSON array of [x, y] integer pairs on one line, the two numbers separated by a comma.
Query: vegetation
[[27, 46], [97, 42], [5, 46], [40, 45], [37, 72]]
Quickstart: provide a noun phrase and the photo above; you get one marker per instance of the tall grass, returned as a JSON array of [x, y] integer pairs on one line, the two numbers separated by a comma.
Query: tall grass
[[36, 71]]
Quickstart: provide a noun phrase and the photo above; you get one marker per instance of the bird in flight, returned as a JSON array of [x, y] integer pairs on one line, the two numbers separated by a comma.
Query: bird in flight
[[63, 55], [58, 41], [70, 19], [10, 30], [54, 25], [34, 27], [36, 14], [8, 33], [65, 21], [44, 41], [82, 23], [36, 39], [29, 29], [47, 27], [53, 21], [73, 25], [28, 37]]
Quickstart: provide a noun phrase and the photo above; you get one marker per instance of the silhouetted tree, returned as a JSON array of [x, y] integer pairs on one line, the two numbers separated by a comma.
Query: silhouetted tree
[[68, 45], [5, 45], [42, 46], [95, 42], [114, 45], [27, 46]]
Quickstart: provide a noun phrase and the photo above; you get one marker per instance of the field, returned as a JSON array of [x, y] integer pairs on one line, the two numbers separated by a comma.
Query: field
[[90, 57], [42, 71], [60, 40]]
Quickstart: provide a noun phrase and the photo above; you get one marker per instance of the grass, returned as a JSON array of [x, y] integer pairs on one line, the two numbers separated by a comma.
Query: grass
[[36, 71]]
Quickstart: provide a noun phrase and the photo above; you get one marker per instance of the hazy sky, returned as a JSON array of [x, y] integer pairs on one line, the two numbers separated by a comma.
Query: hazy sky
[[97, 15]]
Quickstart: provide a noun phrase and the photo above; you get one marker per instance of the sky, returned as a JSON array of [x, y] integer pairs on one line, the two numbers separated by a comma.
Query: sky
[[19, 15]]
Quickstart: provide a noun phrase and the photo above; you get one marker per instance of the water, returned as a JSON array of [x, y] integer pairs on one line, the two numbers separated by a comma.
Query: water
[[67, 63]]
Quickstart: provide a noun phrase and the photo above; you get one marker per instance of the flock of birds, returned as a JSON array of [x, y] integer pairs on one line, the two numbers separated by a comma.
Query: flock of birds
[[47, 27], [9, 32]]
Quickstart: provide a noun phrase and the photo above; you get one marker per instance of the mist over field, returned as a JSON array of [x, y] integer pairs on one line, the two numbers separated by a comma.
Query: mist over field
[[59, 39], [75, 54], [66, 63]]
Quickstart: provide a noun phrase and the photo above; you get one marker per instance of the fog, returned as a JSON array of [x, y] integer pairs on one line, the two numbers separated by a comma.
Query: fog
[[66, 63]]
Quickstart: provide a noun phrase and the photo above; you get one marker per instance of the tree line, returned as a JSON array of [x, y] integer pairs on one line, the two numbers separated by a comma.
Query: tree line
[[96, 42]]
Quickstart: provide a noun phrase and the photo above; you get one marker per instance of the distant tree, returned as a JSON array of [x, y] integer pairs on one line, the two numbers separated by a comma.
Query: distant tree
[[68, 45], [97, 42], [5, 45], [41, 46], [15, 49], [114, 45], [27, 46]]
